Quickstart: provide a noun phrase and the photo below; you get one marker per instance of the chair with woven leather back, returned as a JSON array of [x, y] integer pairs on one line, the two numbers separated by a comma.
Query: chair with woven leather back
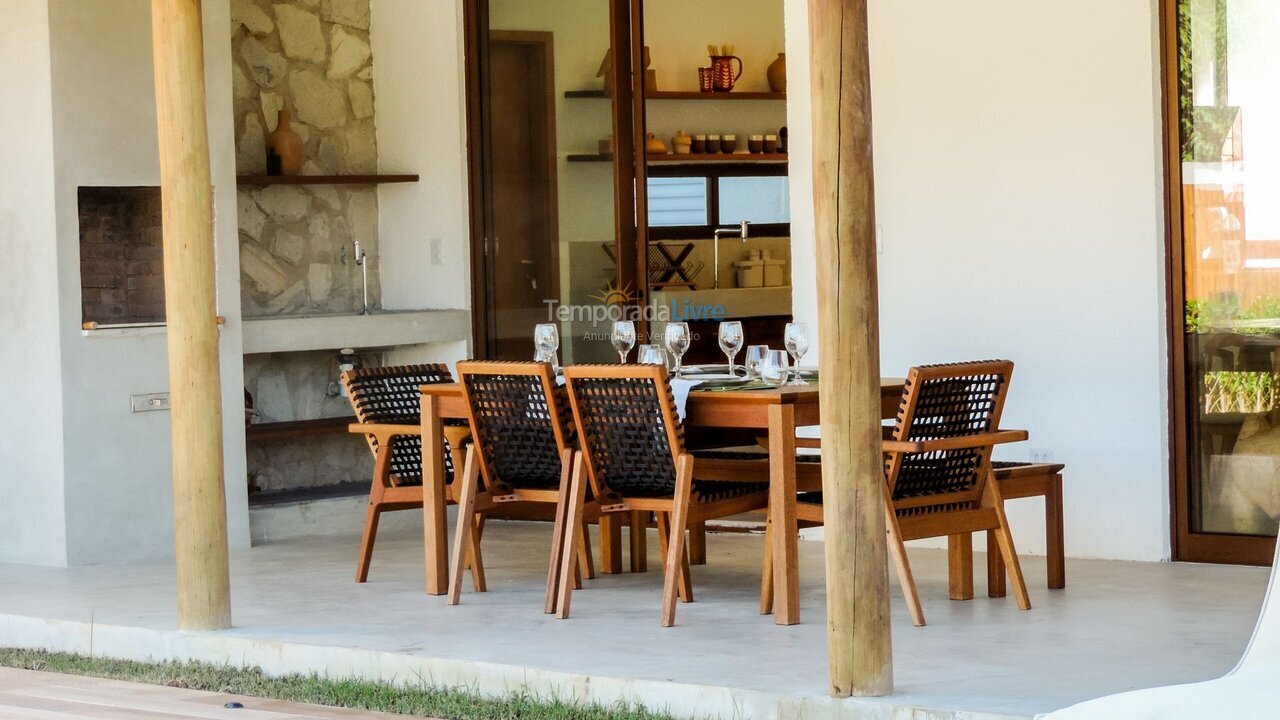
[[522, 449], [633, 455], [386, 402], [938, 472]]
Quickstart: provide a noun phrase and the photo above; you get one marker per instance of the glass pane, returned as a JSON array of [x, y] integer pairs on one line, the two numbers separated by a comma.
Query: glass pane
[[1230, 129], [674, 202], [552, 213], [755, 199]]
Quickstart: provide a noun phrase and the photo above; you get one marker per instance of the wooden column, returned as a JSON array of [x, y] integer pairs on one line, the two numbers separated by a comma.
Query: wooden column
[[199, 503], [858, 642]]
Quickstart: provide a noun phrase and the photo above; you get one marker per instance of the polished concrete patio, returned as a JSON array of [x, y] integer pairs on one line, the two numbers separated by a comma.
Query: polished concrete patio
[[1118, 626]]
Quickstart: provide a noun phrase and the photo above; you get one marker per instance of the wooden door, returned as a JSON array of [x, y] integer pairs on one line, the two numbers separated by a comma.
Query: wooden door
[[523, 235]]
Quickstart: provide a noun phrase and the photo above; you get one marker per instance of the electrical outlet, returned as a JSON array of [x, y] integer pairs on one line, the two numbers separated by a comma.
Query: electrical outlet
[[1041, 455], [437, 251], [149, 403]]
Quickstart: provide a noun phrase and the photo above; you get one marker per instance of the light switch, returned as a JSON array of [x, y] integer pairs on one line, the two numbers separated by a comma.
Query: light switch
[[152, 402]]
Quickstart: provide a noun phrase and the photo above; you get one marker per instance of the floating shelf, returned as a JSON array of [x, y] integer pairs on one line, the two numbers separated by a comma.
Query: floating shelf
[[254, 180], [689, 159], [298, 428], [685, 95]]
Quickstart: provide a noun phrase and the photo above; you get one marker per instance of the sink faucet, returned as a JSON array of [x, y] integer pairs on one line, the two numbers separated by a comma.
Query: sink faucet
[[743, 231], [364, 275]]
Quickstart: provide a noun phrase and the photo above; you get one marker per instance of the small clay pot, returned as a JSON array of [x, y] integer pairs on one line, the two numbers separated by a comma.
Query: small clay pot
[[286, 145]]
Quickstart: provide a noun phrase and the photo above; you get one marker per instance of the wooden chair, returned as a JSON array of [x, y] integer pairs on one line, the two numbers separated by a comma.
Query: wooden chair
[[632, 454], [522, 448], [387, 407], [938, 474]]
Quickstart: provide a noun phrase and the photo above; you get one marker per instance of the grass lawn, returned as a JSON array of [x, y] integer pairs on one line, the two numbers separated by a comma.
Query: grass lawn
[[421, 700]]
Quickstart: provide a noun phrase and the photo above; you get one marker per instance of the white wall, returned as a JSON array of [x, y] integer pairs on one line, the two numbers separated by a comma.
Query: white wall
[[32, 525], [1019, 189], [117, 474], [419, 94]]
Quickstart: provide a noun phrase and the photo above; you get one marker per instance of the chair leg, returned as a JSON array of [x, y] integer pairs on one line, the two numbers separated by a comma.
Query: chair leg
[[475, 560], [1054, 537], [638, 534], [960, 565], [366, 540], [381, 471], [557, 531], [611, 544], [995, 568], [766, 571], [683, 590], [898, 552], [698, 543], [586, 563], [569, 553], [1005, 540], [679, 520], [463, 536]]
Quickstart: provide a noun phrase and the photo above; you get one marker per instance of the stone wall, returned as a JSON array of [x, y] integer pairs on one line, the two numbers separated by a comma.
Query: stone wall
[[313, 58]]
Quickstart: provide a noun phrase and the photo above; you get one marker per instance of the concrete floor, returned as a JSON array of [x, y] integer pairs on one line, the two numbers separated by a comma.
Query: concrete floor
[[1118, 626]]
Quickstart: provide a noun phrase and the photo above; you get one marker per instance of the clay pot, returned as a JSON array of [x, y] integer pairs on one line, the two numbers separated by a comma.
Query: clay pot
[[723, 77], [654, 146], [284, 148], [681, 143], [777, 74]]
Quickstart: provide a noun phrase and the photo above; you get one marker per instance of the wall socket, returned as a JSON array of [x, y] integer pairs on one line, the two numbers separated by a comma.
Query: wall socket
[[1041, 455], [149, 403], [437, 251]]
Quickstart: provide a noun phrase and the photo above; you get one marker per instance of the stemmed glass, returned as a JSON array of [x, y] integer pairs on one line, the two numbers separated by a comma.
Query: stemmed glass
[[731, 340], [623, 338], [755, 356], [650, 355], [797, 344], [677, 339], [773, 369], [546, 338]]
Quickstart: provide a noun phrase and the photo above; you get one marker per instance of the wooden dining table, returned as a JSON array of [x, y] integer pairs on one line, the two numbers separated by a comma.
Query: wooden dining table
[[777, 412]]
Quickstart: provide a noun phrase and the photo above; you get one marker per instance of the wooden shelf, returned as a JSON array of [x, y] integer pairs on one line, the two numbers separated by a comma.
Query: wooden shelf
[[685, 95], [255, 180], [298, 428], [689, 159]]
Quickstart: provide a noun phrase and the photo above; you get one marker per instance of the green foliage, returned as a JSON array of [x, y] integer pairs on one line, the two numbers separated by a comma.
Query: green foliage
[[417, 699], [1204, 316], [1204, 130]]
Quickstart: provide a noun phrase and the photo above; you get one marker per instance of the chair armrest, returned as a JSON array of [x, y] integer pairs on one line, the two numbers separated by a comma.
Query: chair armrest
[[383, 432], [956, 443]]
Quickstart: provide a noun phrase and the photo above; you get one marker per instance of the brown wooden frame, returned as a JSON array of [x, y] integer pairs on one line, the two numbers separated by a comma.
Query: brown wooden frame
[[628, 159], [1186, 545], [472, 503], [675, 514]]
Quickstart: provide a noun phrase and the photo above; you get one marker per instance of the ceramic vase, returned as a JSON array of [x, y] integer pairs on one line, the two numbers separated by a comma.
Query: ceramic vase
[[777, 74], [286, 145]]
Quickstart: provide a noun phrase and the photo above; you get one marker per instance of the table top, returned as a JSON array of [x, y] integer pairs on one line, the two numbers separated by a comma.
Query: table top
[[767, 396]]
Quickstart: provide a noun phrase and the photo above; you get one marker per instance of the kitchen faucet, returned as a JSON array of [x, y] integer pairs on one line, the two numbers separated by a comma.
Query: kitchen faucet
[[743, 230]]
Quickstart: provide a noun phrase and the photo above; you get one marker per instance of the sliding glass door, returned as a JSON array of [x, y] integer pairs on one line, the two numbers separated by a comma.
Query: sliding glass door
[[1223, 116]]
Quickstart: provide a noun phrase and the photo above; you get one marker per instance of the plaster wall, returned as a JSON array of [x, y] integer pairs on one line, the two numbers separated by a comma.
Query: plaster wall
[[1019, 197], [419, 88], [117, 463], [32, 523]]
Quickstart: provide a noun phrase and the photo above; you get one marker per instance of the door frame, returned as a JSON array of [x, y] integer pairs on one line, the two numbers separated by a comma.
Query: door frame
[[628, 156], [1186, 545]]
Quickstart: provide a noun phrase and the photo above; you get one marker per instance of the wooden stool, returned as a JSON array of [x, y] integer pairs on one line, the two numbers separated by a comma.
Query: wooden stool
[[1017, 480]]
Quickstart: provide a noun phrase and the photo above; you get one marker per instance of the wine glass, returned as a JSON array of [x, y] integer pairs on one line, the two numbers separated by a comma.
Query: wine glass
[[623, 338], [797, 344], [731, 340], [677, 339], [773, 369], [546, 338], [651, 355], [755, 356]]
